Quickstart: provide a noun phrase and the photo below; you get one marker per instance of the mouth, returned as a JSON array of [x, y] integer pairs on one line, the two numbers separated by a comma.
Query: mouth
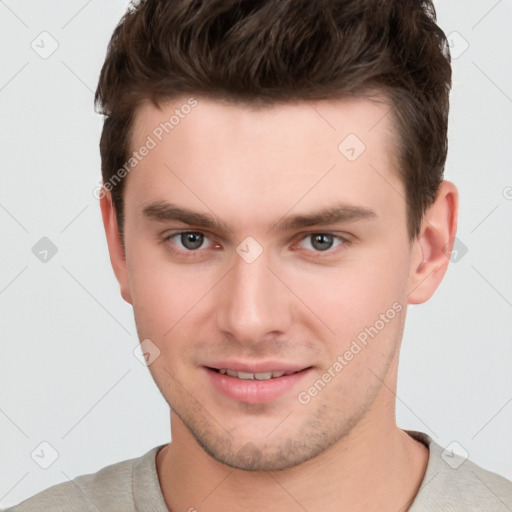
[[256, 385], [253, 376]]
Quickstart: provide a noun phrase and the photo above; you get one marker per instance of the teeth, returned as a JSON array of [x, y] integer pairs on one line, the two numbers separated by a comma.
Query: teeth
[[253, 376], [263, 375], [243, 375]]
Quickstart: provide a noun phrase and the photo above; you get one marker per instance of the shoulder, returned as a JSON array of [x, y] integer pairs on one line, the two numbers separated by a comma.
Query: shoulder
[[454, 483], [111, 488]]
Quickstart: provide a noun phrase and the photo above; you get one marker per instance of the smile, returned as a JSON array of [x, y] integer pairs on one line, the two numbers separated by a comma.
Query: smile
[[253, 376], [256, 387]]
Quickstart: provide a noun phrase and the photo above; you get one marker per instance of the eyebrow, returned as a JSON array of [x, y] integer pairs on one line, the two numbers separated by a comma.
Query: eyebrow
[[163, 211]]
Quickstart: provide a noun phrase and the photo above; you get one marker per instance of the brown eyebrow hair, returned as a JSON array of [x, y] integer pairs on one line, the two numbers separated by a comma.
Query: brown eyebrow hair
[[163, 211]]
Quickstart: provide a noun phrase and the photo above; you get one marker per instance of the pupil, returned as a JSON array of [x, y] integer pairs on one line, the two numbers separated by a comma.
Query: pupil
[[192, 240], [320, 239]]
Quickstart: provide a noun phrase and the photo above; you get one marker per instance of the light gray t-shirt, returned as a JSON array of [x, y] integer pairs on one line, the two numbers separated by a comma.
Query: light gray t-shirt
[[451, 484]]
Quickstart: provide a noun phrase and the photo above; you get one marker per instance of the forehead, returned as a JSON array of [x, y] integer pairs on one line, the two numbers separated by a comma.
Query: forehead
[[206, 151], [368, 119]]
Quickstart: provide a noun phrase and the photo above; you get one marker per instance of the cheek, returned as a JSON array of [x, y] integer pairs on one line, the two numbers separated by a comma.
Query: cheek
[[166, 302], [163, 293], [352, 296]]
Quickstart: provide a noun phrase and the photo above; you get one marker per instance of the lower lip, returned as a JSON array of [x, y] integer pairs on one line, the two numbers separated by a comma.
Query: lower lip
[[255, 391]]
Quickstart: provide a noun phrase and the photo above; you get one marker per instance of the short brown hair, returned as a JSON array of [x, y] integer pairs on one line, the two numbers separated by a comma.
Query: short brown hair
[[270, 51]]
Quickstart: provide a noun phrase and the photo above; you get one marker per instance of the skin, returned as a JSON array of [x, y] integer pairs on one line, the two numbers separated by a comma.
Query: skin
[[295, 304]]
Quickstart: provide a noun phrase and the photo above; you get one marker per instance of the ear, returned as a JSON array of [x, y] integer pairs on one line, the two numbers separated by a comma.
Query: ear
[[432, 248], [115, 247]]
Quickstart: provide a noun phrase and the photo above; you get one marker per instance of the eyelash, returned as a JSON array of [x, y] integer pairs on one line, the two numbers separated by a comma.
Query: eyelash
[[197, 252]]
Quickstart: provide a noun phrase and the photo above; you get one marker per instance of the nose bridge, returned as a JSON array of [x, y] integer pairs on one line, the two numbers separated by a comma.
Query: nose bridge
[[253, 303]]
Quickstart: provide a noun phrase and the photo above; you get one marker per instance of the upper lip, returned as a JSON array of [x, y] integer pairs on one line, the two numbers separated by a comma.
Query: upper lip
[[256, 367]]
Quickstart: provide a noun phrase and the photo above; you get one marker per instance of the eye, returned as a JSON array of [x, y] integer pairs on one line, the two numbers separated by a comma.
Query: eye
[[322, 242], [187, 241]]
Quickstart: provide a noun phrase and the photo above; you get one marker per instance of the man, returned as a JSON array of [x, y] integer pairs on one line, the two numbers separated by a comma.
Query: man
[[273, 199]]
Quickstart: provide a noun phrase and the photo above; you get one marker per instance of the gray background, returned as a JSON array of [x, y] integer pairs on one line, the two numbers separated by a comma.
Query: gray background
[[68, 374]]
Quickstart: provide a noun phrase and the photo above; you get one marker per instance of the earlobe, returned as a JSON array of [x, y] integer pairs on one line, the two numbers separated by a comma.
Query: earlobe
[[115, 247], [432, 248]]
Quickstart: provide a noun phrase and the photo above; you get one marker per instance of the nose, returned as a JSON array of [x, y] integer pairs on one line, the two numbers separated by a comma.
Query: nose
[[253, 302]]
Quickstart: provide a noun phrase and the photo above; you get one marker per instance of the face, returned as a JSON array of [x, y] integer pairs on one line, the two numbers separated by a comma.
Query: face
[[268, 261]]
